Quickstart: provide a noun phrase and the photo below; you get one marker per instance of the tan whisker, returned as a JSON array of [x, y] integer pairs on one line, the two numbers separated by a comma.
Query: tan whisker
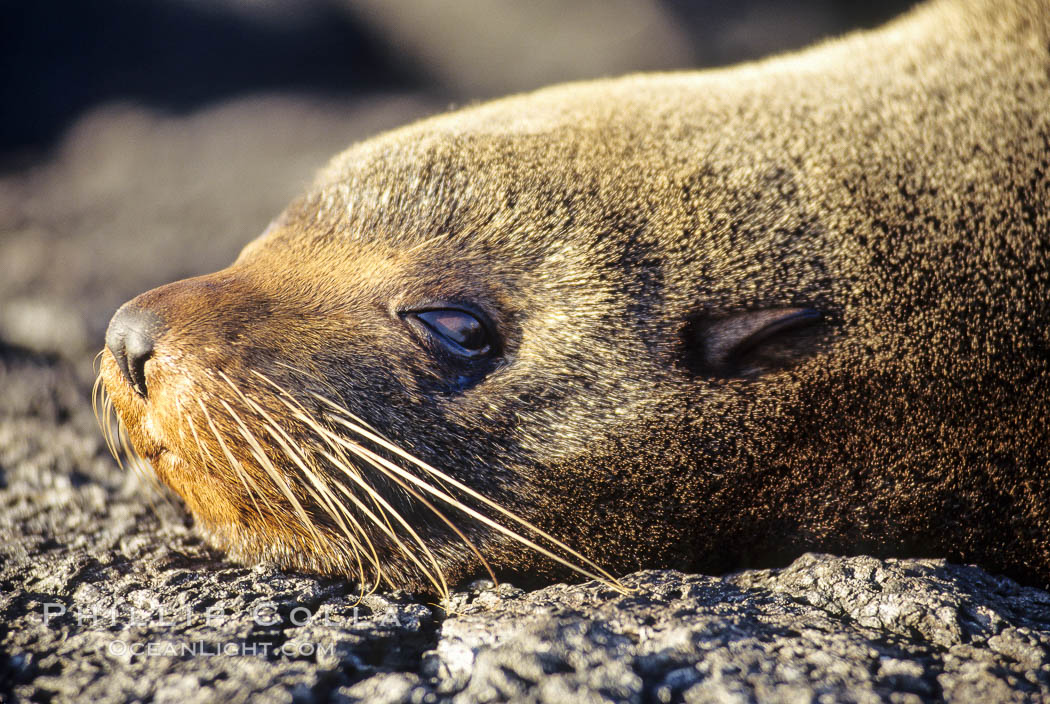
[[382, 442], [96, 399], [319, 492], [423, 500], [136, 462], [279, 482], [109, 419], [384, 525], [437, 578], [601, 575], [102, 407], [590, 568], [242, 476], [289, 448], [438, 581], [98, 404], [325, 434], [117, 443], [595, 571]]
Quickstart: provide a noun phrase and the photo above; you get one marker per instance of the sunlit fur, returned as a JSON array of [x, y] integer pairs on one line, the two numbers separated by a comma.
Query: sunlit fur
[[897, 181], [345, 510]]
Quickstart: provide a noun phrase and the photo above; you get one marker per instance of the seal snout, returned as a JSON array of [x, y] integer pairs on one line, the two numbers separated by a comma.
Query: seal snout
[[130, 339]]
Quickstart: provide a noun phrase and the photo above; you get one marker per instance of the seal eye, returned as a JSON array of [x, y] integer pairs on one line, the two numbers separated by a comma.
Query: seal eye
[[461, 332]]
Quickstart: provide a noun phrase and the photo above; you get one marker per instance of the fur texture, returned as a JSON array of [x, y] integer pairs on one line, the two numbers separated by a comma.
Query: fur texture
[[896, 181]]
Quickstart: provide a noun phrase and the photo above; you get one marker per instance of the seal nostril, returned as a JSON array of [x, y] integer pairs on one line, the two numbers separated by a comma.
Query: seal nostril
[[130, 338], [138, 347]]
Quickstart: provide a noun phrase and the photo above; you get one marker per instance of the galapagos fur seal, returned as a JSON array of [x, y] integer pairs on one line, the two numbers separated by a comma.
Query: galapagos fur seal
[[702, 320]]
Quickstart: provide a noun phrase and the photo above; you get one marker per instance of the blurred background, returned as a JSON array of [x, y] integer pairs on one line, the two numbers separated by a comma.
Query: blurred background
[[143, 141]]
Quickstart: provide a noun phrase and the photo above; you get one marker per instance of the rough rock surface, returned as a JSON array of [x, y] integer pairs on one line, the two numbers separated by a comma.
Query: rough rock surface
[[107, 595]]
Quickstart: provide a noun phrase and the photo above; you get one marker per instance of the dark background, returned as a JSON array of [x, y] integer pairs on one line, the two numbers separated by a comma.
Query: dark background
[[62, 58], [147, 140]]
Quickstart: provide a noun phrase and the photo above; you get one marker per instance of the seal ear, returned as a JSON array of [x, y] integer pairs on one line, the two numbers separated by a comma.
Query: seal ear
[[750, 342]]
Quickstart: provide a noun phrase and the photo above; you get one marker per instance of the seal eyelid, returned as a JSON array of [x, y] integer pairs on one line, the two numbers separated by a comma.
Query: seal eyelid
[[461, 332]]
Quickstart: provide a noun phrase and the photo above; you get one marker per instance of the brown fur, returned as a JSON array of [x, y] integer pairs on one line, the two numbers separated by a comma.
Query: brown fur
[[896, 181]]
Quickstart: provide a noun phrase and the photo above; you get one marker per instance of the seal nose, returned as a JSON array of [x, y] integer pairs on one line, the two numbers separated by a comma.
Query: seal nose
[[130, 338]]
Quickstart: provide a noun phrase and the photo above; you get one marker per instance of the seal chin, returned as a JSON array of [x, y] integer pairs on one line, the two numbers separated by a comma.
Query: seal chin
[[204, 447], [132, 409]]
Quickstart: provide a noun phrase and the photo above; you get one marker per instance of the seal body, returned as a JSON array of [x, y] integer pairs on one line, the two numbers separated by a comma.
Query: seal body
[[698, 320]]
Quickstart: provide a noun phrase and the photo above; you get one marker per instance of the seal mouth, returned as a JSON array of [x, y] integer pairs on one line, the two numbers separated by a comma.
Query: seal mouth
[[156, 455], [126, 433]]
